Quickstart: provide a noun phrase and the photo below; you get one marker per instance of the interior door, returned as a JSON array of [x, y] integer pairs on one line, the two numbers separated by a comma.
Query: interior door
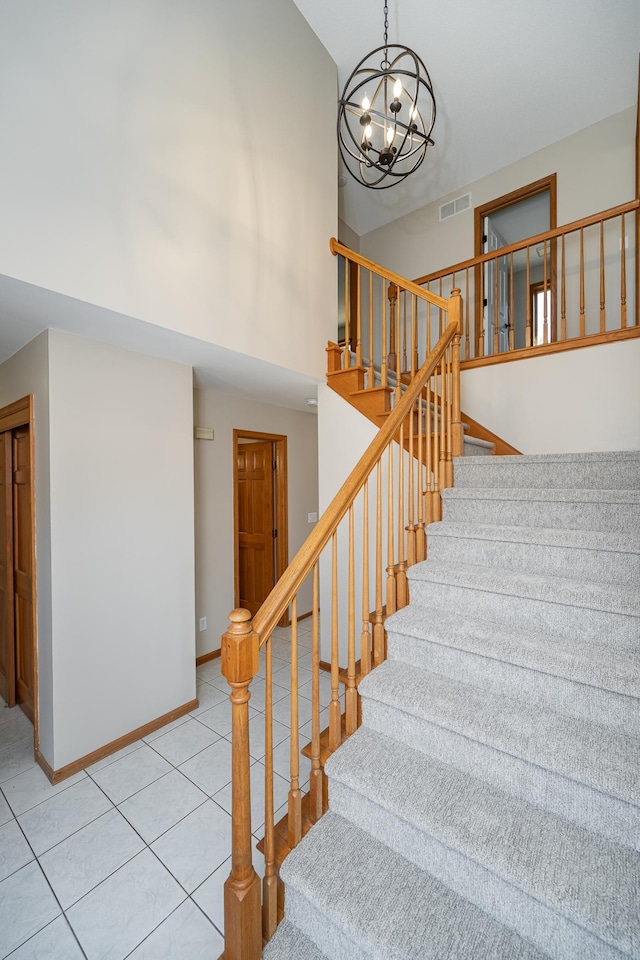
[[23, 570], [7, 642], [256, 526]]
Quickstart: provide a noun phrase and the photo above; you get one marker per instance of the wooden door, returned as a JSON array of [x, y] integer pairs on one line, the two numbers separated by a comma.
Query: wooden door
[[23, 570], [256, 525], [7, 642]]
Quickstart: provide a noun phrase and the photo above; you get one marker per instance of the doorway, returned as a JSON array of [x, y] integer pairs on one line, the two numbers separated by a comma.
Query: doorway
[[18, 641], [503, 285], [260, 516]]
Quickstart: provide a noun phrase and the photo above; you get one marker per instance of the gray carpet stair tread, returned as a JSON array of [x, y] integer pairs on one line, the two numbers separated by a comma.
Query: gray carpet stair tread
[[587, 663], [542, 494], [385, 906], [552, 470], [607, 597], [549, 537], [550, 859], [601, 758], [289, 943]]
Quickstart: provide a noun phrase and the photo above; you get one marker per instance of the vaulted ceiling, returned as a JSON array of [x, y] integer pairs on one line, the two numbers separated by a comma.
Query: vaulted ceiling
[[509, 78]]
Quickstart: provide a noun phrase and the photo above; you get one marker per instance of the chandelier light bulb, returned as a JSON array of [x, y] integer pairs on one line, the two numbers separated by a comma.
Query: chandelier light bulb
[[397, 88], [365, 103], [368, 132], [390, 135]]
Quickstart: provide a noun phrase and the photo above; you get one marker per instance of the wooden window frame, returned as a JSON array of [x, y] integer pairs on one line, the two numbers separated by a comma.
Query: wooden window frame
[[543, 185]]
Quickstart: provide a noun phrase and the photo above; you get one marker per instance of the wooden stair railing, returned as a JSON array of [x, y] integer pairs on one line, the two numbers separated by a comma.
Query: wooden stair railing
[[389, 497], [580, 269]]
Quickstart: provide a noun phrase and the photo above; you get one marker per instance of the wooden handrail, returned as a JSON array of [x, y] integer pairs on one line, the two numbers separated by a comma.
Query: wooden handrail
[[389, 275], [609, 214], [279, 599]]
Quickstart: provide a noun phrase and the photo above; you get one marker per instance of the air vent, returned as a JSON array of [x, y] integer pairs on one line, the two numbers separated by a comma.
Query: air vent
[[455, 206]]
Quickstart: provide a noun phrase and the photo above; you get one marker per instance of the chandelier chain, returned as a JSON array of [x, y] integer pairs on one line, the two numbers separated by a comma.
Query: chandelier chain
[[386, 24]]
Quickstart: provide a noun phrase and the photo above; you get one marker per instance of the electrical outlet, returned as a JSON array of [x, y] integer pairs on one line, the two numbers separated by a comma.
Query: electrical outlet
[[203, 623], [312, 518]]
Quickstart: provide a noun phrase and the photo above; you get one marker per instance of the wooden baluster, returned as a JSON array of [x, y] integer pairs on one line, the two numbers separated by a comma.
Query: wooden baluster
[[351, 697], [378, 627], [270, 882], [545, 307], [242, 908], [582, 321], [428, 328], [403, 365], [603, 316], [623, 279], [414, 335], [563, 296], [392, 294], [440, 316], [429, 435], [383, 362], [294, 809], [435, 495], [335, 732], [365, 635], [457, 429], [371, 378], [411, 526], [443, 428], [496, 314], [420, 535], [512, 325], [316, 786], [447, 397], [358, 322], [466, 316], [480, 309], [528, 336], [401, 574], [347, 314], [391, 576]]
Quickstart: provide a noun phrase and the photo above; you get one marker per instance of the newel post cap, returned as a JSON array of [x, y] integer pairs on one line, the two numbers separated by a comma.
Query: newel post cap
[[240, 652]]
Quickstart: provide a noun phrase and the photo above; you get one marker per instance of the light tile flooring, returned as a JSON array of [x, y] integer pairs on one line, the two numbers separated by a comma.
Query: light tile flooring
[[128, 858]]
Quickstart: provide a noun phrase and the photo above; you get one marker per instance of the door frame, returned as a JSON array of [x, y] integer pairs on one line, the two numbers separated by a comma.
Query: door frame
[[20, 414], [507, 200], [279, 442]]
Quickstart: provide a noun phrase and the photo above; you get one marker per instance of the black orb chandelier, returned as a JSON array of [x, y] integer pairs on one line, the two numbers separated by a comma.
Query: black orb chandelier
[[383, 132]]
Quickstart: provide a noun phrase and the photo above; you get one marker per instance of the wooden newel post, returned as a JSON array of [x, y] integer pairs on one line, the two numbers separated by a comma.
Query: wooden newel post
[[392, 359], [457, 431], [242, 906]]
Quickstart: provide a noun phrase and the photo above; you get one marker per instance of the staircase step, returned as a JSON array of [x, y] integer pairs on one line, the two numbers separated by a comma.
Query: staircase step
[[571, 767], [507, 856], [600, 510], [574, 678], [290, 943], [613, 558], [616, 471], [357, 899], [473, 447], [577, 609]]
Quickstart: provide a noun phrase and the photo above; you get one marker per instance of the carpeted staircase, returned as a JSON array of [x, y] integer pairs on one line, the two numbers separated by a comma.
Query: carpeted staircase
[[488, 808]]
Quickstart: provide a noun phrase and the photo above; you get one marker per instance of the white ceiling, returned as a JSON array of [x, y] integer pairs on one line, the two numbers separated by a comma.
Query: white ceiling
[[509, 77]]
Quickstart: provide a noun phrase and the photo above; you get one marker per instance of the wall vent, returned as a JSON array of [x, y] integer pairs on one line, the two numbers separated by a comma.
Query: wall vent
[[455, 206]]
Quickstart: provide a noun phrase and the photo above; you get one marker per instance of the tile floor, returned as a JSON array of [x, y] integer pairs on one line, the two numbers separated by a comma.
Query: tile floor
[[128, 858]]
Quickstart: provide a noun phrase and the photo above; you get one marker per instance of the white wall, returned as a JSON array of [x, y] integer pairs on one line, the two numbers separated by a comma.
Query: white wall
[[122, 552], [595, 169], [580, 400], [214, 497], [28, 372], [161, 159]]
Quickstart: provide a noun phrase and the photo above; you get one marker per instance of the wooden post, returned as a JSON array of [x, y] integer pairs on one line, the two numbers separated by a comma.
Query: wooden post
[[242, 907], [392, 359], [457, 430]]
